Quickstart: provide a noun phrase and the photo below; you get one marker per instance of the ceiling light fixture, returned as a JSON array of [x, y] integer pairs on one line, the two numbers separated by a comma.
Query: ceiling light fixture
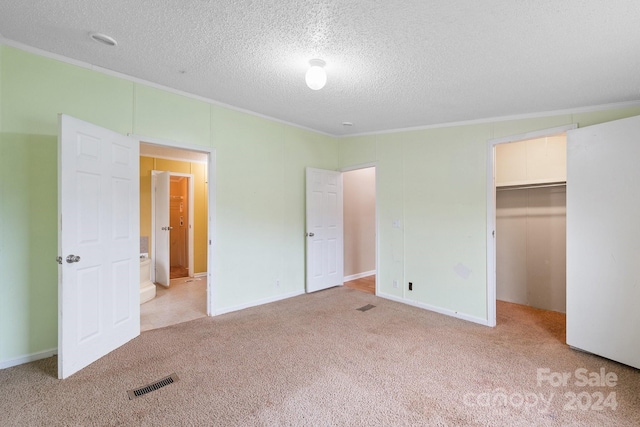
[[316, 76], [103, 39]]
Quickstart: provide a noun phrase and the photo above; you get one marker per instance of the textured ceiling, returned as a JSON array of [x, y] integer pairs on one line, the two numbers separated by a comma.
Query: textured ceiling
[[391, 64]]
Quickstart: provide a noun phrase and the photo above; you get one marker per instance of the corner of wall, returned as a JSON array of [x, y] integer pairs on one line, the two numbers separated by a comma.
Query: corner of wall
[[2, 216], [2, 49]]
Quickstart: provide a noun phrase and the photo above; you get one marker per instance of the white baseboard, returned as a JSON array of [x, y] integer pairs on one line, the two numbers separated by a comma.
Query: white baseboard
[[28, 358], [433, 308], [360, 275], [258, 302], [201, 274]]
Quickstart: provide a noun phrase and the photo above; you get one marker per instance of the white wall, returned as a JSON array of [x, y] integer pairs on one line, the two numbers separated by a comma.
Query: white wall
[[531, 247], [359, 221], [533, 161]]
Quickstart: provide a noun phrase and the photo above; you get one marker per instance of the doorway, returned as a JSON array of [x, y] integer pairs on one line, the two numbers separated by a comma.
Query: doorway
[[360, 226], [182, 294], [526, 213], [180, 196]]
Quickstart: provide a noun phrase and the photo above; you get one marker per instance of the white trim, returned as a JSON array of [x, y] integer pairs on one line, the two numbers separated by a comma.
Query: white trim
[[358, 167], [212, 255], [259, 302], [524, 116], [533, 134], [201, 274], [490, 237], [359, 275], [86, 65], [491, 207], [28, 358], [149, 140], [435, 309]]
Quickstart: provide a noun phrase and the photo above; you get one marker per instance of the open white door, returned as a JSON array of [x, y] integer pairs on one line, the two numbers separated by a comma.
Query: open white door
[[325, 263], [98, 239], [162, 228], [603, 240]]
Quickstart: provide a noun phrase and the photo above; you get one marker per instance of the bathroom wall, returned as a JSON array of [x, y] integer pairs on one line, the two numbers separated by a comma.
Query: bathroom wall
[[199, 172]]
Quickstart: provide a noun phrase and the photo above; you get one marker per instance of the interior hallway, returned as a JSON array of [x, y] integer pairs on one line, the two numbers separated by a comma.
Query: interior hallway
[[365, 284]]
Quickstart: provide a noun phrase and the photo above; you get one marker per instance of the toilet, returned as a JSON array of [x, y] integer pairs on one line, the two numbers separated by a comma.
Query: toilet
[[147, 288]]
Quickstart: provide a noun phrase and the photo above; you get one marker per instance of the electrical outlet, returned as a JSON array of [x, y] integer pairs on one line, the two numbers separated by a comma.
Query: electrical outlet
[[410, 286], [395, 284]]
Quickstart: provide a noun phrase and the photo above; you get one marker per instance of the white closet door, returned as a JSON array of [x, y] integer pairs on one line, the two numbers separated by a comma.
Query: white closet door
[[603, 240]]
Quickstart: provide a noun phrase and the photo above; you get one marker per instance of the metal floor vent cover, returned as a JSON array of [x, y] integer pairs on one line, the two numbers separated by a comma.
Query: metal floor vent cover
[[366, 307], [137, 392]]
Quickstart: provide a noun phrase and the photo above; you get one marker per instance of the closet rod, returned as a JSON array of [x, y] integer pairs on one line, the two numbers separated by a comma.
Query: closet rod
[[529, 186]]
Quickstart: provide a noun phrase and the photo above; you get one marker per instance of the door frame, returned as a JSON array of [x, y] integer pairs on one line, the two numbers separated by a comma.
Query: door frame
[[211, 208], [190, 219], [368, 165], [491, 207]]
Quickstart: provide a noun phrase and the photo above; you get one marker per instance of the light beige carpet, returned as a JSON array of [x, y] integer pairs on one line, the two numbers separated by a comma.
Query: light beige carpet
[[316, 360]]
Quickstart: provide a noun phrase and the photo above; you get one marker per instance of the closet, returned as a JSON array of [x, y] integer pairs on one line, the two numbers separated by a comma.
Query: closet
[[531, 222]]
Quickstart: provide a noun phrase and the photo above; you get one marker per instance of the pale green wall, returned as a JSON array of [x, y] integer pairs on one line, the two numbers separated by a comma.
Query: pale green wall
[[261, 202], [434, 182], [260, 186]]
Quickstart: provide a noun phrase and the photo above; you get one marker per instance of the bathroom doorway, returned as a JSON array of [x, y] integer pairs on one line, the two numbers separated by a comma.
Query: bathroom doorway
[[180, 209], [181, 289]]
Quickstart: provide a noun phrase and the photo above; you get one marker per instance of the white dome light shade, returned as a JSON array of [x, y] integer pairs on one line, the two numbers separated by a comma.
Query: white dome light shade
[[104, 39], [316, 77]]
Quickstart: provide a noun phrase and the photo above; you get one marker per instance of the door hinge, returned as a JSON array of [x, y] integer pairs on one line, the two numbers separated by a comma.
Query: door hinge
[[493, 233], [59, 260]]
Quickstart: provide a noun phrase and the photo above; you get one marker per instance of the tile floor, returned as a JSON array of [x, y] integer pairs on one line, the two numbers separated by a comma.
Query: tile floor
[[185, 299]]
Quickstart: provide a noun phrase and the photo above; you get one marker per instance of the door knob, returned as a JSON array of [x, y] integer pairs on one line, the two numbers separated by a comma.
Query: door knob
[[310, 234], [73, 258]]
